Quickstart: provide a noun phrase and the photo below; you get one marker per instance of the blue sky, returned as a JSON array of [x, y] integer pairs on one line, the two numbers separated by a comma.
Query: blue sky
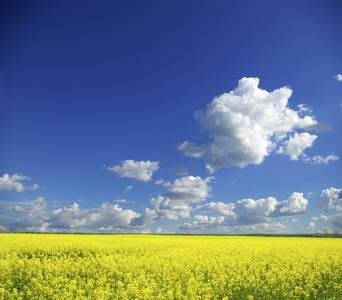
[[171, 116]]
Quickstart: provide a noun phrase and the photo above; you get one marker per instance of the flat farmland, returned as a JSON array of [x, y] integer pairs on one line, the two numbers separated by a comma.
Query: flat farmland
[[72, 266]]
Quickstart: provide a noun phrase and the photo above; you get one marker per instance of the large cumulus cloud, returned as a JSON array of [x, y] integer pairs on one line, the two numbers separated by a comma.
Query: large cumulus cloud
[[248, 123]]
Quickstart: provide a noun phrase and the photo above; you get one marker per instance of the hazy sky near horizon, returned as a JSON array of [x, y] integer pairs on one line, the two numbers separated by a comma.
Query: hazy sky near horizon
[[171, 116]]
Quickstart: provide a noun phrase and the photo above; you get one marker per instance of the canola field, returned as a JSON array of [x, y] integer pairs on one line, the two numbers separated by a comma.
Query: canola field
[[61, 266]]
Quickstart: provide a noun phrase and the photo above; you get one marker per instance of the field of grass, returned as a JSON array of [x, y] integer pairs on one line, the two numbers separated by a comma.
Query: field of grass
[[62, 266]]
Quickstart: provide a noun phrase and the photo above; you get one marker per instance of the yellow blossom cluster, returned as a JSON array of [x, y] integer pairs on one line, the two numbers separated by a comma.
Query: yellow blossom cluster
[[62, 266]]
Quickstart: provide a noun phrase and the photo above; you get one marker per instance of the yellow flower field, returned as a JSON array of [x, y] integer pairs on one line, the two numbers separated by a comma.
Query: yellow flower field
[[61, 266]]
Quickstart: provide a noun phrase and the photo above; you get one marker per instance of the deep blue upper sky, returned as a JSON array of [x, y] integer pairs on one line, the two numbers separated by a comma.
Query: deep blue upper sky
[[99, 101]]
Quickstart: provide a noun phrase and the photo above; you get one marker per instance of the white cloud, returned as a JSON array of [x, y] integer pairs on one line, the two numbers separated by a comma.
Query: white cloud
[[248, 123], [123, 201], [148, 217], [249, 211], [201, 224], [246, 212], [191, 150], [338, 77], [128, 188], [12, 183], [33, 187], [6, 206], [167, 209], [105, 217], [321, 218], [304, 109], [317, 159], [311, 226], [140, 170], [272, 227], [176, 203], [189, 189], [336, 225], [36, 215], [325, 230], [296, 204], [293, 220], [328, 199], [338, 208], [224, 209], [296, 144], [158, 182]]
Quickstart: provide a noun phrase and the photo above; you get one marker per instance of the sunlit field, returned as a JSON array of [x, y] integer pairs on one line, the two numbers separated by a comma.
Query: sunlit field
[[58, 266]]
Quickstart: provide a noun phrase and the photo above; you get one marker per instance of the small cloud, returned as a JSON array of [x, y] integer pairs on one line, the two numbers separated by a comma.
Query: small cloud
[[304, 109], [128, 188], [123, 201], [139, 170], [158, 182], [159, 230], [120, 201], [321, 218], [311, 226], [191, 150], [338, 77], [317, 159], [33, 187]]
